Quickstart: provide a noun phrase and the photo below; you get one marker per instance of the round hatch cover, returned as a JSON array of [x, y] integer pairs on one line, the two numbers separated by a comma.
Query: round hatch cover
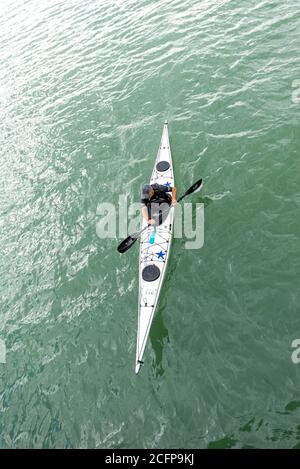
[[162, 166], [150, 273]]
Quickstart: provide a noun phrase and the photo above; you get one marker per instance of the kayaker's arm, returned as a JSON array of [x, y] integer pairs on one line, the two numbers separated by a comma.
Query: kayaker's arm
[[174, 192], [145, 215], [145, 212]]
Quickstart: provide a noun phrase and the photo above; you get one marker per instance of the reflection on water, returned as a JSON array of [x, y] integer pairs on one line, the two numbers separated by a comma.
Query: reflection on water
[[159, 339]]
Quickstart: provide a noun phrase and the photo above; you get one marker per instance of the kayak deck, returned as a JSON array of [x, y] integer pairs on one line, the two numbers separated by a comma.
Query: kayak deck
[[154, 251]]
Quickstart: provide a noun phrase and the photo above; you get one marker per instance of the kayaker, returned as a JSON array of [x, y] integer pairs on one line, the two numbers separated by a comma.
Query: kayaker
[[155, 194]]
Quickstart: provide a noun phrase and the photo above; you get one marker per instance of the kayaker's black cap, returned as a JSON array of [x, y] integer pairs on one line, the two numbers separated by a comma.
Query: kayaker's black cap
[[145, 192]]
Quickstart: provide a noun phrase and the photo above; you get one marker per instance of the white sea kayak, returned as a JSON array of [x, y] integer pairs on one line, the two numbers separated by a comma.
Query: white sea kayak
[[154, 251]]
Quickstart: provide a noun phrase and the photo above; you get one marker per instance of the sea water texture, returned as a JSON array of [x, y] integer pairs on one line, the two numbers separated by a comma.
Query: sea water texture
[[85, 87]]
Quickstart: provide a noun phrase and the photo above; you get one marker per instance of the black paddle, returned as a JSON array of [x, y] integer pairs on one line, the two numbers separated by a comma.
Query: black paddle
[[128, 242], [194, 188], [131, 239]]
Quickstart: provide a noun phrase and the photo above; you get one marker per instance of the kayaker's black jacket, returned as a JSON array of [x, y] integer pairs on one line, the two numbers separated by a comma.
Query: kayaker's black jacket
[[160, 193], [159, 205]]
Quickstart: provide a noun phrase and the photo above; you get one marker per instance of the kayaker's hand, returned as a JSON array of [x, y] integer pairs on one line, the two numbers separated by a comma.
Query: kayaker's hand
[[151, 221], [174, 202]]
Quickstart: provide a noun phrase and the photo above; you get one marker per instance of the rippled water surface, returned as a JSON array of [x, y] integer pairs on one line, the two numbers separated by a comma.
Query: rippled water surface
[[85, 86]]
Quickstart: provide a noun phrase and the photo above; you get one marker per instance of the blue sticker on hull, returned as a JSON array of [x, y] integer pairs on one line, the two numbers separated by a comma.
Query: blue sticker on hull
[[160, 254]]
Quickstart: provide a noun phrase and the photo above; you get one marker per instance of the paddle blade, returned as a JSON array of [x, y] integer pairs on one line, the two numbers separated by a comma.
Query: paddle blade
[[127, 243], [194, 188]]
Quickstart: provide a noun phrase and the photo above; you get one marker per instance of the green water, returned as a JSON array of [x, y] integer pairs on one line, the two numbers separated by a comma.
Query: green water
[[85, 87]]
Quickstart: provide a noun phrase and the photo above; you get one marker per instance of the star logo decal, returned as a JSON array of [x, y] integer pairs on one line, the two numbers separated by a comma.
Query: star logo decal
[[168, 184], [160, 254]]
